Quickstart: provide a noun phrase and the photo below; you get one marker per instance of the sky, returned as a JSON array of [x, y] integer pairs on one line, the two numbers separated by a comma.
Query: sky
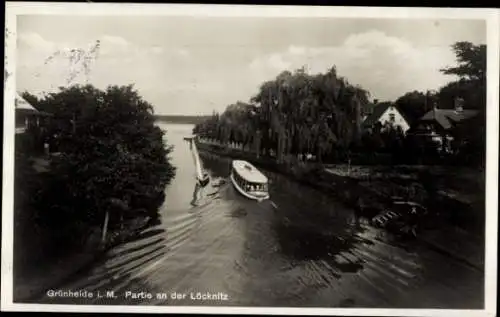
[[194, 65]]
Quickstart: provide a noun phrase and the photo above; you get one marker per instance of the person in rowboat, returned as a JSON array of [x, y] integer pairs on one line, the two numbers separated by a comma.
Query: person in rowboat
[[200, 184]]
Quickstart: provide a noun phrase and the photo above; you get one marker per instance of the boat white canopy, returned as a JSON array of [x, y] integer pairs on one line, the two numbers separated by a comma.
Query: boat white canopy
[[248, 172]]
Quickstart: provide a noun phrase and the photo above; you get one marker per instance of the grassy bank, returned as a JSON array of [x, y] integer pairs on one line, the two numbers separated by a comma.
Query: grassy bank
[[454, 197], [455, 193]]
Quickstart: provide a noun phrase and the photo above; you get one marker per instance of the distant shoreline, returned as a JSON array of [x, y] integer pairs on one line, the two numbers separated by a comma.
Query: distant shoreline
[[181, 118]]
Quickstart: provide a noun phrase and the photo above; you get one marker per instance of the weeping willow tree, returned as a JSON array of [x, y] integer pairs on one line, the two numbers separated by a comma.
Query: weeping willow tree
[[295, 113]]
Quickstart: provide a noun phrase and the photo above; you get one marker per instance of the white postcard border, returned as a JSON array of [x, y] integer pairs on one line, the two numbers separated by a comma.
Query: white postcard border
[[493, 39]]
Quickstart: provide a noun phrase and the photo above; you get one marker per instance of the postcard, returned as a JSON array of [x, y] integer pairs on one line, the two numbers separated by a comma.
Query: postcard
[[238, 159]]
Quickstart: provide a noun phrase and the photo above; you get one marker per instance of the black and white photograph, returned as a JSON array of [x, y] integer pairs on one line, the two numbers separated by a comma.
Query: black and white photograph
[[240, 159]]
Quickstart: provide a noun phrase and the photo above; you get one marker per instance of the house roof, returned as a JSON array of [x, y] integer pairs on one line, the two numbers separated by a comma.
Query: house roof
[[22, 104], [446, 118], [25, 107], [378, 111]]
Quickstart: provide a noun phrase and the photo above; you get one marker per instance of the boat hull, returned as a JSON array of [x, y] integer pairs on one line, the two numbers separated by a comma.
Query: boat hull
[[246, 194]]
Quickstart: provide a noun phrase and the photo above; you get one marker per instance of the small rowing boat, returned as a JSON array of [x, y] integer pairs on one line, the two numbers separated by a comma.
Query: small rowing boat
[[202, 176], [249, 181]]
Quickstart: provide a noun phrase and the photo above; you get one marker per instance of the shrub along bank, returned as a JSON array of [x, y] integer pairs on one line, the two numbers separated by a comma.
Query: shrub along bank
[[373, 190], [107, 180], [455, 226]]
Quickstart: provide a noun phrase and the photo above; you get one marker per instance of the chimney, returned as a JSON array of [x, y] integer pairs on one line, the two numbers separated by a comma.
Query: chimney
[[459, 104], [434, 105]]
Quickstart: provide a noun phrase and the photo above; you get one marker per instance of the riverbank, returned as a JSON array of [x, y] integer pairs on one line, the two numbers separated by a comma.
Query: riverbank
[[35, 276], [455, 198]]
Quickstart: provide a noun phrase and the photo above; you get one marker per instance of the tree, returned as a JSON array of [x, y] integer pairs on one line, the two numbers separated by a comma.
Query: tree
[[114, 160], [471, 73], [413, 105], [471, 86], [300, 113], [471, 61]]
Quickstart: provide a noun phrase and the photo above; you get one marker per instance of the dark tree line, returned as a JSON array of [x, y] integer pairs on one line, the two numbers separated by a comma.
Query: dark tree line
[[298, 113], [470, 86], [293, 114]]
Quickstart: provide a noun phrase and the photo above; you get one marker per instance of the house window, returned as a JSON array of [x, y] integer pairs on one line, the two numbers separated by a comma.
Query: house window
[[392, 117]]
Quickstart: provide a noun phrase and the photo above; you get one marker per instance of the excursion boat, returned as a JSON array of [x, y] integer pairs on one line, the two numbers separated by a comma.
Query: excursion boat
[[249, 181]]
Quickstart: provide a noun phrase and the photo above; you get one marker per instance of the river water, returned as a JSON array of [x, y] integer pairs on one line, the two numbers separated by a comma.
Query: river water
[[299, 249]]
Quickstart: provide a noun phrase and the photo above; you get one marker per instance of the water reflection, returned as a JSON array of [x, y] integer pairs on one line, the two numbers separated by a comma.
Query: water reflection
[[297, 252], [217, 166], [116, 268], [196, 193], [301, 248], [301, 231], [308, 244]]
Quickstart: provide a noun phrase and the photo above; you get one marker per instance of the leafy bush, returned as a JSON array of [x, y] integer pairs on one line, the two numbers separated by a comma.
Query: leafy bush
[[28, 232], [113, 159]]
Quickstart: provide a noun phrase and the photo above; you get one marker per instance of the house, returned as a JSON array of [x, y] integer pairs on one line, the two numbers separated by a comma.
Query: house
[[27, 116], [386, 113], [30, 126], [439, 125]]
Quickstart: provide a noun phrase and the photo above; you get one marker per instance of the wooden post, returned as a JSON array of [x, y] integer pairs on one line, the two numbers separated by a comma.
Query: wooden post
[[256, 143]]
